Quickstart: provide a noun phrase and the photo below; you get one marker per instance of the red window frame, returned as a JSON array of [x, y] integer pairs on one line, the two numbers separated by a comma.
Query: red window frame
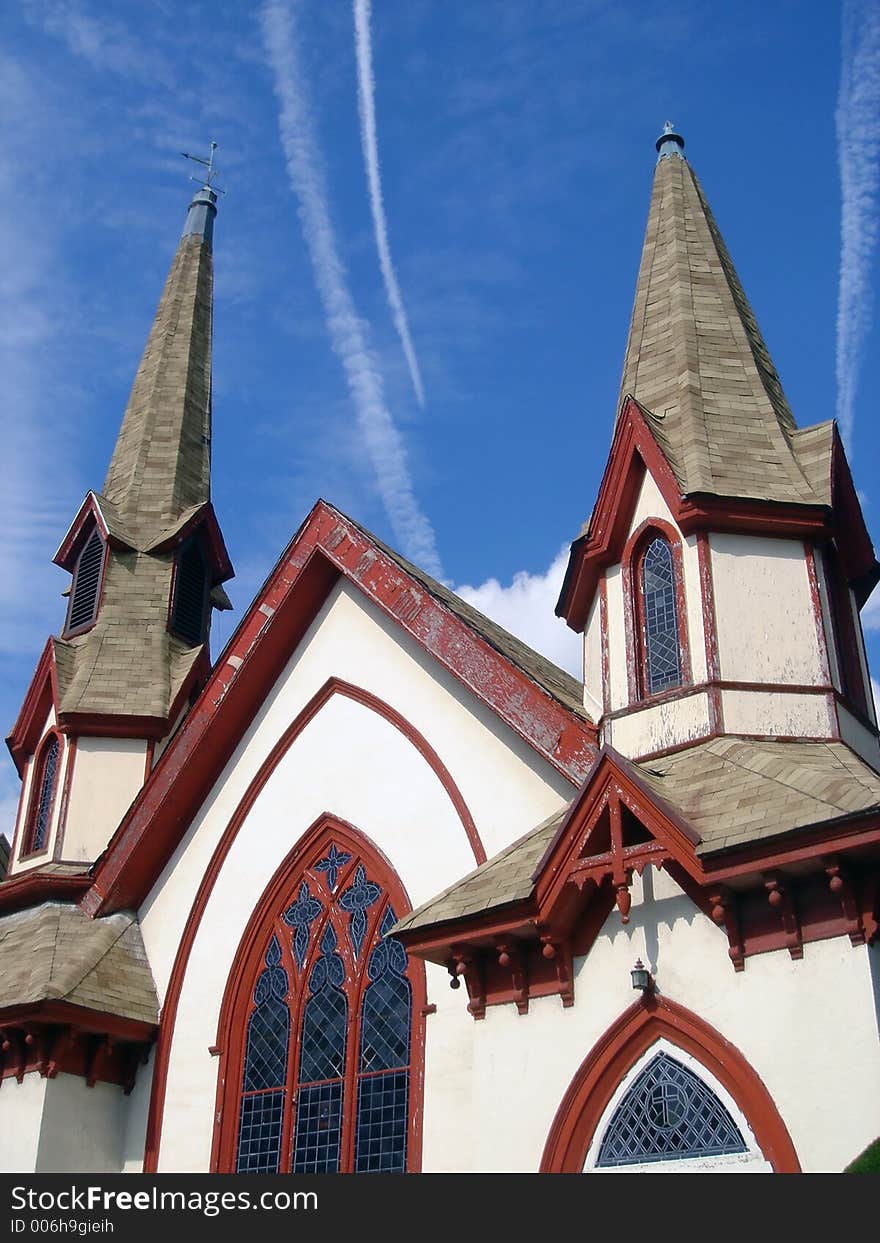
[[634, 609], [250, 961], [28, 849], [844, 620]]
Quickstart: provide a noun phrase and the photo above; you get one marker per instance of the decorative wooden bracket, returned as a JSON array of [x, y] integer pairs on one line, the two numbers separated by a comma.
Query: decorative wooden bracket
[[510, 959], [101, 1049], [724, 913], [781, 901], [470, 966], [559, 953], [841, 885]]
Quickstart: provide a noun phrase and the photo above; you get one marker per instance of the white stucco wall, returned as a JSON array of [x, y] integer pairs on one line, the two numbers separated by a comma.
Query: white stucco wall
[[350, 762], [82, 1127], [777, 712], [808, 1029], [21, 1115], [653, 728], [766, 621], [107, 774]]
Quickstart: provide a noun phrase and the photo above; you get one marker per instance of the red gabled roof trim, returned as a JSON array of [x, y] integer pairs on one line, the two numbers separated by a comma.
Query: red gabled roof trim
[[33, 887], [41, 697], [326, 548], [634, 449]]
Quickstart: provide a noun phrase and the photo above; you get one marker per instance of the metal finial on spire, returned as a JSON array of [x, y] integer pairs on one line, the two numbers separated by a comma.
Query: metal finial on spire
[[203, 208], [669, 143], [207, 182]]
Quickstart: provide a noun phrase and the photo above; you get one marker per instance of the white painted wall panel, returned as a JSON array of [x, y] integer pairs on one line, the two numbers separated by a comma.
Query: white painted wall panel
[[107, 774], [82, 1127], [776, 712], [661, 725], [21, 1116], [766, 620]]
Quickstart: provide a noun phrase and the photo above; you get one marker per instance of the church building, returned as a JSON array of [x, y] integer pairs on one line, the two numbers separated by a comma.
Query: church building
[[383, 889]]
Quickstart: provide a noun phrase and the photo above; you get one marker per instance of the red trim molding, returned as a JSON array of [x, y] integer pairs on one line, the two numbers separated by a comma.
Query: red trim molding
[[41, 697], [613, 1055], [634, 611], [634, 450]]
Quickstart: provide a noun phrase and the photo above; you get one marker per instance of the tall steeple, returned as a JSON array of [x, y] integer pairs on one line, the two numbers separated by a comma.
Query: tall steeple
[[695, 358], [137, 629]]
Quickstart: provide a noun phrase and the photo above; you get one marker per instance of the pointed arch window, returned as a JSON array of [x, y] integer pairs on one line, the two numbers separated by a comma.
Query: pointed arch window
[[322, 1037], [42, 799], [86, 587], [655, 616], [189, 606], [668, 1114]]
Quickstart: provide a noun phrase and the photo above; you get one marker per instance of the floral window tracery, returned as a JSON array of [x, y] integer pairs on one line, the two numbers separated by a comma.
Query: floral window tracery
[[341, 1095]]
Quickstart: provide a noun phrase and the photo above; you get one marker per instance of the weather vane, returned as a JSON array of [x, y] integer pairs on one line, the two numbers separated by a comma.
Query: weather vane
[[210, 173]]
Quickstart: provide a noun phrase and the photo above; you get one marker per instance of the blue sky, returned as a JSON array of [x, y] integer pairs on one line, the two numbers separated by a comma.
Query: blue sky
[[515, 155]]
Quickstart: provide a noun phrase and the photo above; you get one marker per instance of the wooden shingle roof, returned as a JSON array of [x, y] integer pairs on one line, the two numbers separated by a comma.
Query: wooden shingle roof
[[698, 365], [730, 791], [54, 952]]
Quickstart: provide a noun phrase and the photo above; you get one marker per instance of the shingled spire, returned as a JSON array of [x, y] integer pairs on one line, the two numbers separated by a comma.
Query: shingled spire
[[135, 641], [161, 465], [696, 360]]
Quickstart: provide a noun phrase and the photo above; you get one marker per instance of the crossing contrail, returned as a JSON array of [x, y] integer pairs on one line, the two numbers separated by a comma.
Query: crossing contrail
[[305, 170], [369, 145]]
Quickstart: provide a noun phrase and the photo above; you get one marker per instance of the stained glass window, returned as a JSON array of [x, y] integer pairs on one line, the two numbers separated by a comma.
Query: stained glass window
[[265, 1071], [668, 1114], [325, 1084], [45, 787], [660, 618]]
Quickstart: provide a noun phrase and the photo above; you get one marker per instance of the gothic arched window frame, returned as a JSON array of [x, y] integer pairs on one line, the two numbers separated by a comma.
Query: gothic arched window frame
[[281, 895], [637, 638], [37, 829]]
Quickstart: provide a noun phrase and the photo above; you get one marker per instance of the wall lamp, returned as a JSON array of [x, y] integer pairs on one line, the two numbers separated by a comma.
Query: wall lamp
[[641, 977]]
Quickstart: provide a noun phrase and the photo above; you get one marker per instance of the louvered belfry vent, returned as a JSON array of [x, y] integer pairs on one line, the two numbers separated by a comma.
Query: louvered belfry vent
[[86, 583], [190, 594]]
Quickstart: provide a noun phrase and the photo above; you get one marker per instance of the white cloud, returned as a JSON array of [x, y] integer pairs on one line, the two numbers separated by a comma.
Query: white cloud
[[347, 331], [858, 142], [370, 147], [525, 608]]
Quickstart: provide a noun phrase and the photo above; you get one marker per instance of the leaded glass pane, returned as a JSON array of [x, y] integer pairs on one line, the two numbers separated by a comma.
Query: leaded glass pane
[[265, 1067], [662, 657], [259, 1133], [667, 1115], [380, 1142], [324, 1029], [47, 789], [318, 1129], [265, 1061], [385, 1024]]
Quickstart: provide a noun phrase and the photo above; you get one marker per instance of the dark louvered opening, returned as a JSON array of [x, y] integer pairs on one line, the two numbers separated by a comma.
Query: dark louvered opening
[[86, 581], [190, 594]]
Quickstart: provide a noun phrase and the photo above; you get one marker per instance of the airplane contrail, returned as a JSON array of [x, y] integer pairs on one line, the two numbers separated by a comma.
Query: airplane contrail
[[305, 169], [858, 144], [369, 145]]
